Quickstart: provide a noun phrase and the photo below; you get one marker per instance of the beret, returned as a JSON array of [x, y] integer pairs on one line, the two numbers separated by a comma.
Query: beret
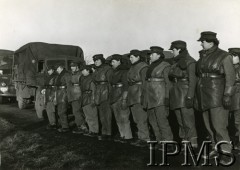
[[87, 67], [98, 56]]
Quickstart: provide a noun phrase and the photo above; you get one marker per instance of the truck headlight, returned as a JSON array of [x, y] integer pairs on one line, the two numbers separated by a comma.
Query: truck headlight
[[4, 89], [43, 91], [3, 84]]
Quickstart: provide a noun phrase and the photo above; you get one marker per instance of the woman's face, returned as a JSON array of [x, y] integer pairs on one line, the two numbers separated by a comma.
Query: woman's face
[[134, 59], [235, 59], [206, 45], [98, 62], [154, 57], [115, 63], [175, 52]]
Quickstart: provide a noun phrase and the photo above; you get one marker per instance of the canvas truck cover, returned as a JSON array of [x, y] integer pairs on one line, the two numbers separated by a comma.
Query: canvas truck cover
[[27, 57]]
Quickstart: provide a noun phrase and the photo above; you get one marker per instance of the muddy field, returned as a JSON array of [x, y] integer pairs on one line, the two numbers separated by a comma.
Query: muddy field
[[26, 144]]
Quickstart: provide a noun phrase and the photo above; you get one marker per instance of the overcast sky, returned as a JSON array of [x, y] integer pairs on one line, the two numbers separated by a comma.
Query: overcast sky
[[117, 26]]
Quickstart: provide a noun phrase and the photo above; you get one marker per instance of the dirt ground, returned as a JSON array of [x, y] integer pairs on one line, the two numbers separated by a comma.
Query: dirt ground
[[26, 144]]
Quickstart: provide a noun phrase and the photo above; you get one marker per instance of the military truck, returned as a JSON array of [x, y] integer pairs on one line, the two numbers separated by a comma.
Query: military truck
[[7, 89], [30, 64]]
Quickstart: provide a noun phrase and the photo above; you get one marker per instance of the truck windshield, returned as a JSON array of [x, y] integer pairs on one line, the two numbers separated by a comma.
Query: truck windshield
[[4, 71], [5, 65]]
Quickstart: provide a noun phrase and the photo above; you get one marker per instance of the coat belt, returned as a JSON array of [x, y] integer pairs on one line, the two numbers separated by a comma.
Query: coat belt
[[175, 79], [101, 82], [133, 83], [211, 75], [49, 86], [62, 87], [155, 79], [237, 82], [87, 91], [117, 85]]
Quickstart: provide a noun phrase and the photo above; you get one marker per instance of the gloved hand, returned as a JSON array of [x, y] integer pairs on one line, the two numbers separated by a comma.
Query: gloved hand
[[226, 101], [124, 104], [166, 102], [189, 102], [43, 91]]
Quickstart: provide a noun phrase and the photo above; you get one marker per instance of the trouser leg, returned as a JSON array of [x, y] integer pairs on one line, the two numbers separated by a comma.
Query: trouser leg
[[91, 114], [162, 118], [140, 118], [189, 125], [62, 113], [153, 122], [50, 108], [237, 122], [78, 113], [180, 123], [207, 123], [105, 115], [122, 120], [220, 122]]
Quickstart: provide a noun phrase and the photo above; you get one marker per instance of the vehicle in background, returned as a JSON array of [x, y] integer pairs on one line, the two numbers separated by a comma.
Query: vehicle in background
[[29, 69], [7, 89]]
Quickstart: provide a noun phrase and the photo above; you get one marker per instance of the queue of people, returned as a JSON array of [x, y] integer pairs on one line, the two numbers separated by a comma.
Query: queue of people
[[147, 90]]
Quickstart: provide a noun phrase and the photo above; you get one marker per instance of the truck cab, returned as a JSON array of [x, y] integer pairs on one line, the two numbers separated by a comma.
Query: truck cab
[[7, 89]]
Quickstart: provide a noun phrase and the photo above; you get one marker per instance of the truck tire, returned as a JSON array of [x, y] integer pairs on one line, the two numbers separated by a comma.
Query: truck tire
[[22, 103]]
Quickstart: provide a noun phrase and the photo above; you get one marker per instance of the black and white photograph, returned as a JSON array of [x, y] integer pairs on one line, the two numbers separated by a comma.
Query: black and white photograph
[[119, 84]]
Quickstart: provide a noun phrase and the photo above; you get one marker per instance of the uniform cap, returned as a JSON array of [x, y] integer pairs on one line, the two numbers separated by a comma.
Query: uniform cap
[[179, 44], [156, 49], [60, 65], [234, 51], [208, 35], [50, 68], [117, 57], [135, 52], [74, 64]]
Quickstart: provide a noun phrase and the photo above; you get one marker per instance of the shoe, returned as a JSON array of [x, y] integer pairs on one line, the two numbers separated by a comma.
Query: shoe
[[237, 147], [139, 143], [120, 139], [51, 127], [158, 147], [78, 131], [129, 140], [211, 155], [84, 128], [90, 134], [104, 137], [225, 160], [63, 130]]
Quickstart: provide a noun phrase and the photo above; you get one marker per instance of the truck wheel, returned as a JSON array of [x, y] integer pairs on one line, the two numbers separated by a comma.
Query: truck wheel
[[22, 103]]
